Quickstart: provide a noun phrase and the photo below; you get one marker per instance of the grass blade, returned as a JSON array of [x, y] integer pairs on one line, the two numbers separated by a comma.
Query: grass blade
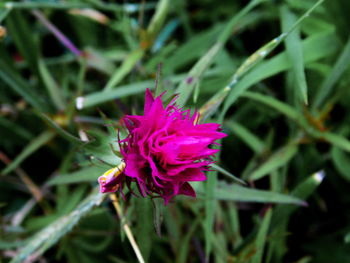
[[51, 86], [339, 68], [336, 140], [341, 162], [281, 107], [210, 210], [261, 237], [59, 130], [50, 235], [277, 160], [294, 52], [127, 65], [246, 136], [89, 174], [227, 173], [186, 87], [122, 91], [34, 145], [234, 192], [19, 85], [257, 57]]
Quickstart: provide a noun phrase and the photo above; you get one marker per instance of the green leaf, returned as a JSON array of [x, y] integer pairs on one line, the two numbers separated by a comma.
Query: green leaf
[[16, 129], [158, 18], [59, 130], [281, 107], [336, 140], [51, 85], [50, 235], [341, 162], [129, 8], [186, 87], [227, 173], [183, 252], [302, 191], [127, 65], [89, 174], [347, 238], [314, 48], [210, 210], [294, 52], [333, 77], [24, 38], [234, 192], [34, 145], [4, 13], [212, 104], [122, 91], [20, 86], [279, 159], [261, 237], [246, 136]]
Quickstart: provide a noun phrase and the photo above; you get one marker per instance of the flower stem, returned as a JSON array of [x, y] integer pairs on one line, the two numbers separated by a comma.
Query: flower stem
[[127, 229]]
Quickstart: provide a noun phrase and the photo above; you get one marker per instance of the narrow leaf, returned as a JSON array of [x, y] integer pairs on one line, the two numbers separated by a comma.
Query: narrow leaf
[[261, 237], [51, 86], [127, 65], [246, 136], [59, 130], [277, 160], [294, 52], [34, 145], [50, 235], [227, 173], [234, 192], [89, 174], [338, 69]]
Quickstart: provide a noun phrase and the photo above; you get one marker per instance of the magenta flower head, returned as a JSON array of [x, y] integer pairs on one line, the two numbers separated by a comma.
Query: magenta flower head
[[165, 149]]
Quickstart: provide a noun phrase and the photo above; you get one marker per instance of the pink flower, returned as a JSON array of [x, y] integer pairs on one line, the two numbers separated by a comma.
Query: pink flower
[[165, 149]]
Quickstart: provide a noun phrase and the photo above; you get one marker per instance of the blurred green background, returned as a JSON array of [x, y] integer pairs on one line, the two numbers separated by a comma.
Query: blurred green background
[[275, 73]]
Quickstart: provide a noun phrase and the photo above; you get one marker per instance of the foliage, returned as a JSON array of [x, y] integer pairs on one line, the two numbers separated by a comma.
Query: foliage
[[273, 72]]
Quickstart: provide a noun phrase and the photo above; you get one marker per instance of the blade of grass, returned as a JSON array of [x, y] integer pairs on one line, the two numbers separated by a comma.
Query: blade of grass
[[157, 20], [281, 107], [212, 105], [127, 65], [227, 173], [34, 145], [136, 55], [129, 8], [19, 85], [294, 52], [51, 86], [302, 191], [15, 129], [234, 192], [257, 57], [89, 174], [341, 162], [186, 87], [339, 68], [4, 13], [122, 91], [24, 38], [261, 237], [59, 130], [246, 136], [210, 207], [336, 140], [279, 159], [183, 252], [50, 235]]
